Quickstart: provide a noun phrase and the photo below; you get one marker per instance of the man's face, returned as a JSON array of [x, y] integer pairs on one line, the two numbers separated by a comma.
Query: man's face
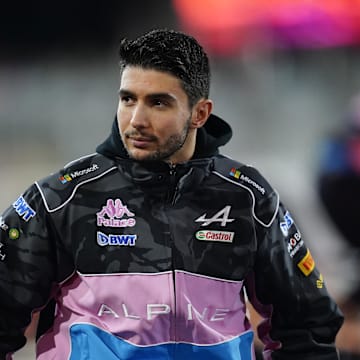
[[153, 115]]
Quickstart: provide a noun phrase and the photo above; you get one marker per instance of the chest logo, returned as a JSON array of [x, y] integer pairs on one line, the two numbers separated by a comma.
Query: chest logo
[[115, 214], [221, 216], [213, 235], [116, 240]]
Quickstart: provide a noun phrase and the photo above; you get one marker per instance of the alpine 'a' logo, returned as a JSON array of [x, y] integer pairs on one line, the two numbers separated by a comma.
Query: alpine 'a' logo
[[221, 216]]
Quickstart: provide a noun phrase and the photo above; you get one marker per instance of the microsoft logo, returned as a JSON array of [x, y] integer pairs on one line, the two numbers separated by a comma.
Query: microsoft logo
[[65, 178], [68, 177]]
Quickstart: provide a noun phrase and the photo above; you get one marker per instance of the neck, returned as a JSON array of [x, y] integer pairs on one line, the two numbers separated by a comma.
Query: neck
[[187, 150]]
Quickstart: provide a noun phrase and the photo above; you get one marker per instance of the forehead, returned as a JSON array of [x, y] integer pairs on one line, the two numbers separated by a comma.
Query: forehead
[[141, 80]]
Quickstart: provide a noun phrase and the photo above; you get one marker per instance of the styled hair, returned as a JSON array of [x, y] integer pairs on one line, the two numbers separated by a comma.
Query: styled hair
[[173, 52]]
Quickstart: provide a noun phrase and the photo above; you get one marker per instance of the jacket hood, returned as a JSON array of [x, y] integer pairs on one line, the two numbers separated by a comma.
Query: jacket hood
[[215, 133]]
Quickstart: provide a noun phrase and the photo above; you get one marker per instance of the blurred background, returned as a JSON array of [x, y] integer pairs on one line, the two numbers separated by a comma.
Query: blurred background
[[284, 74]]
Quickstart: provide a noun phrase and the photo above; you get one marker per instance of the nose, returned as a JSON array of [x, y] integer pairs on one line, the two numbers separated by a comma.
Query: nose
[[139, 117]]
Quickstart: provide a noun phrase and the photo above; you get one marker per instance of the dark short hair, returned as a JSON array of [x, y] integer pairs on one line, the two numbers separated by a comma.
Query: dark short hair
[[173, 52]]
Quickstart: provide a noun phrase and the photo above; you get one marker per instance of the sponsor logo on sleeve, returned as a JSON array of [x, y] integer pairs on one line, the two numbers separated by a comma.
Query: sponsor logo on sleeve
[[72, 175], [236, 173], [14, 234], [3, 225], [295, 243], [2, 254], [306, 264], [320, 282], [286, 224], [214, 235], [66, 178], [115, 214], [23, 209]]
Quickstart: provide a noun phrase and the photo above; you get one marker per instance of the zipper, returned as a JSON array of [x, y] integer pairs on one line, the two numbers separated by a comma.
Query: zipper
[[175, 314], [171, 196], [170, 199]]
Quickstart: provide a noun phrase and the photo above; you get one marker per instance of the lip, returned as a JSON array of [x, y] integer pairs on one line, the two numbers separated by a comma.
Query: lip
[[140, 142]]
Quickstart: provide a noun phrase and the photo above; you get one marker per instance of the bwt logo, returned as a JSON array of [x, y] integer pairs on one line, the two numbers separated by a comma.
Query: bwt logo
[[115, 240], [23, 209]]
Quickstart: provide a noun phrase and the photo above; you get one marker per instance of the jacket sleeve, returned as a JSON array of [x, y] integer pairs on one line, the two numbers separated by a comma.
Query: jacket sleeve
[[27, 267], [301, 320]]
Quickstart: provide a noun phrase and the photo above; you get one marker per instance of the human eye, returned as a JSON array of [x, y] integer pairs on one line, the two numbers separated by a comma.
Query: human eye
[[160, 102], [127, 99]]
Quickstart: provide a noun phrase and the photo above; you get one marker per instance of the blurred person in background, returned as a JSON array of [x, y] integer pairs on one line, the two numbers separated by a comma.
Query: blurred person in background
[[150, 247], [339, 194]]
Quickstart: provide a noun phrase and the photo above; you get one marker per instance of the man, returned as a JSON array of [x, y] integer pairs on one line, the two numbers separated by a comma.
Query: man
[[148, 246]]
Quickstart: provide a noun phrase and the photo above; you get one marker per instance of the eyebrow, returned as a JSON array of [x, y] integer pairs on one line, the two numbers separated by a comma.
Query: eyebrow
[[160, 95], [123, 92]]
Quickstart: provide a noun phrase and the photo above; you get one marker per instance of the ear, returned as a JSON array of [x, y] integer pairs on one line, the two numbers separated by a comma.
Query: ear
[[200, 113]]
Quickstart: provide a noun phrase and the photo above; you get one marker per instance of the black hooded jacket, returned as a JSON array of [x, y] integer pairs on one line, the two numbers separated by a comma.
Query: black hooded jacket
[[148, 260]]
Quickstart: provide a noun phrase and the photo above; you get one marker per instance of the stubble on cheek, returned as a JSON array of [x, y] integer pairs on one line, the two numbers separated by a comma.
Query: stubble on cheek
[[157, 149]]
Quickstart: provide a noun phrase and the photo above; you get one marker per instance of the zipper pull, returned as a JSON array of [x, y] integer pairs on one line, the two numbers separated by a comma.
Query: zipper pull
[[172, 169]]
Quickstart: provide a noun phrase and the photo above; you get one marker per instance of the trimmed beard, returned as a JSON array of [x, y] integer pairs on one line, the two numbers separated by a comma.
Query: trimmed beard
[[173, 144]]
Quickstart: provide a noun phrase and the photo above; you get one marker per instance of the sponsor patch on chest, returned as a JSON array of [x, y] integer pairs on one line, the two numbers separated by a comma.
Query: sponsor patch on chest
[[115, 214], [215, 235], [116, 239]]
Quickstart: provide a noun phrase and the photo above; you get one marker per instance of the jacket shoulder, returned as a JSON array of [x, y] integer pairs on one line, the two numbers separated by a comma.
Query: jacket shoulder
[[58, 188], [265, 198]]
